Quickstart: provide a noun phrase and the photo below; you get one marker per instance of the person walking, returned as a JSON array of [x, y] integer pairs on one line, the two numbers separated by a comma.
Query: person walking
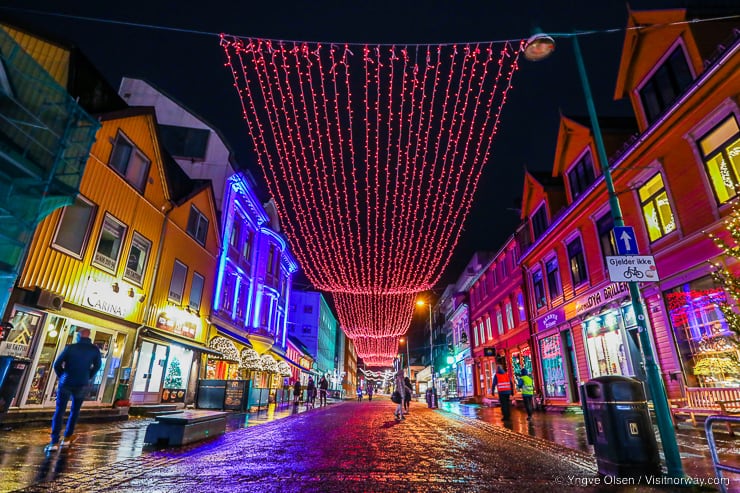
[[310, 393], [400, 389], [370, 391], [409, 389], [296, 392], [502, 381], [323, 389], [359, 393], [75, 367], [526, 387]]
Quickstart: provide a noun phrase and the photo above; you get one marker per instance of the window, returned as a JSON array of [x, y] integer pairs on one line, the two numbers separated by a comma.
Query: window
[[539, 289], [721, 154], [137, 259], [227, 300], [500, 322], [196, 291], [131, 163], [197, 225], [235, 227], [509, 315], [577, 262], [665, 85], [307, 308], [475, 335], [306, 329], [581, 176], [605, 229], [74, 227], [482, 333], [184, 141], [177, 282], [656, 209], [247, 246], [108, 250], [553, 278], [539, 222], [488, 327], [520, 306]]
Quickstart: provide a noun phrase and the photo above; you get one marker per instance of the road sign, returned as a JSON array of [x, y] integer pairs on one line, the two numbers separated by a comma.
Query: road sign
[[626, 240], [626, 268]]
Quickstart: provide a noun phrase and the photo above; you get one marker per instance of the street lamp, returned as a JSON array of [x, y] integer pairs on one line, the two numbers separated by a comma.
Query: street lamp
[[538, 47], [408, 360], [431, 349]]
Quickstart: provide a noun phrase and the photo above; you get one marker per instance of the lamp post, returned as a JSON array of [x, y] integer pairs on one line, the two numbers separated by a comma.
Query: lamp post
[[538, 47], [408, 360], [431, 349]]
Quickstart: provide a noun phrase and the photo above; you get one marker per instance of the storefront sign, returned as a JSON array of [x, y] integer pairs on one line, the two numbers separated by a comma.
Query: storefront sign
[[597, 298], [178, 322], [552, 319], [632, 268], [173, 395], [11, 349], [108, 298]]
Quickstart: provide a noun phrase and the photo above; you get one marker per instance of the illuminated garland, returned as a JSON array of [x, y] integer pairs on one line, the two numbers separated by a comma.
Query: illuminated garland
[[724, 277], [225, 347], [373, 155]]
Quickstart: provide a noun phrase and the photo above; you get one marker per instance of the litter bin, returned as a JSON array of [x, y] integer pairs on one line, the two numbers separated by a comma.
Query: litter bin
[[618, 426], [11, 372]]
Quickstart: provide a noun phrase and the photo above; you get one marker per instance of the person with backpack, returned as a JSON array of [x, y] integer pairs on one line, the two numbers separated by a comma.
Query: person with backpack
[[526, 387], [323, 389]]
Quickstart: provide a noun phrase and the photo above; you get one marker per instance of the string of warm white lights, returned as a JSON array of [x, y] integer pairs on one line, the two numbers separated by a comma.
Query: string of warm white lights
[[373, 157]]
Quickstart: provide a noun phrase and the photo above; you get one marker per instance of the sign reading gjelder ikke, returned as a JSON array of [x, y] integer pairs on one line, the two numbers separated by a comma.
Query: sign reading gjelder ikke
[[628, 268]]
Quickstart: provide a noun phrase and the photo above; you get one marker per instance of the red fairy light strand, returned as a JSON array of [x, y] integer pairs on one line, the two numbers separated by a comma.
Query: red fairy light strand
[[372, 187]]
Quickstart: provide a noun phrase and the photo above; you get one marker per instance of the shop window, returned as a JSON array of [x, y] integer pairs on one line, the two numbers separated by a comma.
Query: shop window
[[721, 155], [108, 250], [553, 278], [577, 262], [553, 367], [74, 226], [665, 85], [197, 225], [509, 315], [539, 222], [605, 230], [499, 322], [177, 374], [705, 342], [581, 176], [177, 281], [539, 289], [137, 259], [129, 162], [605, 348], [656, 209], [196, 291]]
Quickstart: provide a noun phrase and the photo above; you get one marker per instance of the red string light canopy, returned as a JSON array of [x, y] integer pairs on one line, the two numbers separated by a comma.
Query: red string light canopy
[[372, 154]]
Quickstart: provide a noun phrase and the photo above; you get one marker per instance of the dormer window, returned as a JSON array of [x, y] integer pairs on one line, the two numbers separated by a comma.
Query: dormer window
[[664, 86], [539, 222], [581, 176]]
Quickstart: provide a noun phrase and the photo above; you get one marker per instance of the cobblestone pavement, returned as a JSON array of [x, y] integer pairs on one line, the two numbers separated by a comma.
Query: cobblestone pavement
[[352, 447]]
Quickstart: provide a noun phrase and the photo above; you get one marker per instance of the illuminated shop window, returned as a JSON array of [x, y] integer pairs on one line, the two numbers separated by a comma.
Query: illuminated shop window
[[605, 346], [553, 369], [721, 153], [108, 250], [705, 342], [656, 209]]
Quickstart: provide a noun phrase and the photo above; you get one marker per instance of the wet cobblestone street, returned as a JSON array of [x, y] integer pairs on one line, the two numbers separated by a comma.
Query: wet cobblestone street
[[348, 447]]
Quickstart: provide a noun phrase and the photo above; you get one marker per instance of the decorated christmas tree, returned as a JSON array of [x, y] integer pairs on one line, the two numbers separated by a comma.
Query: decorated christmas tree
[[173, 379]]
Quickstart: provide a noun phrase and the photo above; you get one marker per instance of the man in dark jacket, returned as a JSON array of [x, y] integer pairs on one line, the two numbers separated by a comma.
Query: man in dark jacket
[[323, 388], [75, 367]]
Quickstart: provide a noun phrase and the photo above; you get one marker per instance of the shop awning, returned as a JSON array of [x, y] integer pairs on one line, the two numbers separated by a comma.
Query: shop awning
[[289, 361], [240, 338], [156, 335]]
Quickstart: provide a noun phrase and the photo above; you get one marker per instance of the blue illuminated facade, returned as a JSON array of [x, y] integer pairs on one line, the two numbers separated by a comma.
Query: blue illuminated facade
[[254, 280]]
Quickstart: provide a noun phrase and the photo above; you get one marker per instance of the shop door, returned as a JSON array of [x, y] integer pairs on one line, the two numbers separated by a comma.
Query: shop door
[[149, 373]]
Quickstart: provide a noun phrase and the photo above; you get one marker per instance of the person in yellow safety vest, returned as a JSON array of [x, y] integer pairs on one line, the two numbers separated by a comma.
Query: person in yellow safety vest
[[526, 387], [502, 381]]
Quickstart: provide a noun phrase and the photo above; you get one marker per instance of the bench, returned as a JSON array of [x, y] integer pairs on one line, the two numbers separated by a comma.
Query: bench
[[185, 427], [701, 401]]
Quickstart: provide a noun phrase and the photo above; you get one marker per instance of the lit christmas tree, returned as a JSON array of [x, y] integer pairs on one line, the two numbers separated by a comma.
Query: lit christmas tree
[[173, 380]]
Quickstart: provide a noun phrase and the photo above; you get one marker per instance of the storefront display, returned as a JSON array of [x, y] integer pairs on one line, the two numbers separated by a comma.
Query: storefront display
[[553, 369], [521, 359], [710, 356], [606, 345]]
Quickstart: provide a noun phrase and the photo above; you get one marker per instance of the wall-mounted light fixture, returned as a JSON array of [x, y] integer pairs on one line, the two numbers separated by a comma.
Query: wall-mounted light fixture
[[115, 287]]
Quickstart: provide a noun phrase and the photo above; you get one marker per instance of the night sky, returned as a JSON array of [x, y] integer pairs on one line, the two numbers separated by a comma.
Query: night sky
[[190, 67]]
